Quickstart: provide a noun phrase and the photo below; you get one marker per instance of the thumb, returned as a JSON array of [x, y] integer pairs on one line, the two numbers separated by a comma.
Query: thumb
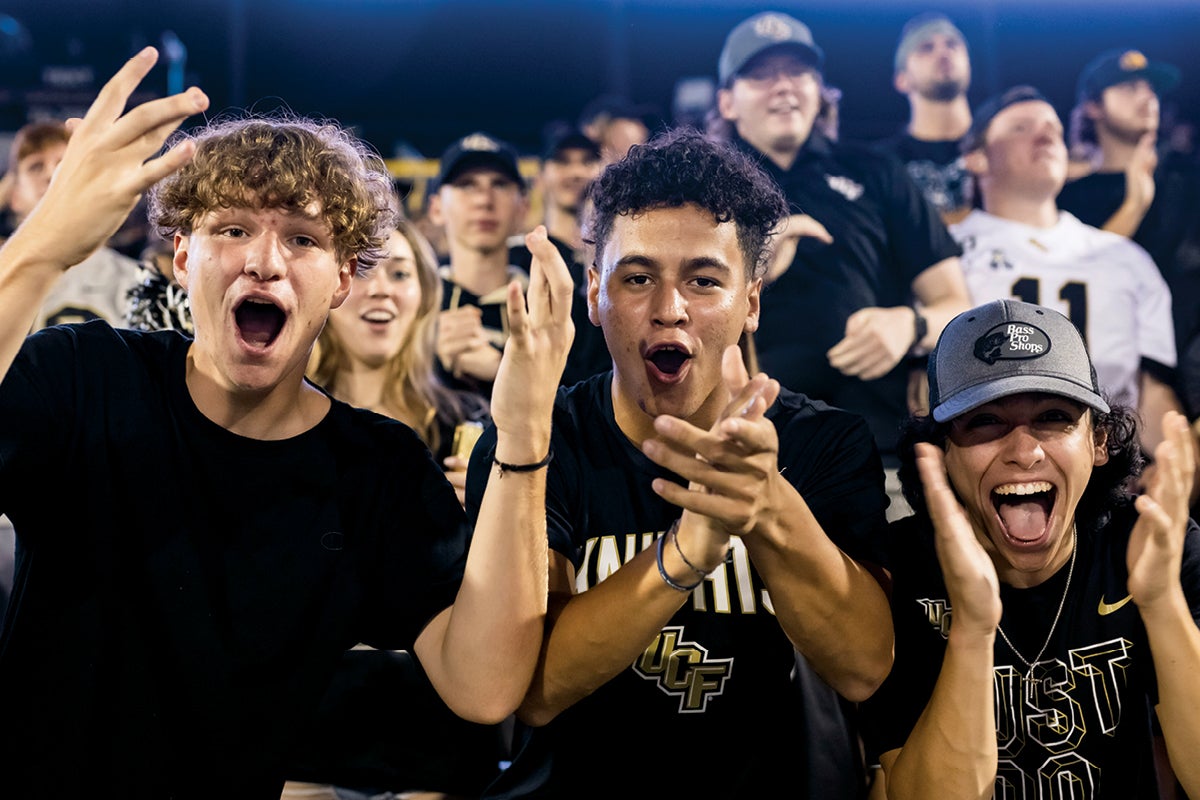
[[733, 370]]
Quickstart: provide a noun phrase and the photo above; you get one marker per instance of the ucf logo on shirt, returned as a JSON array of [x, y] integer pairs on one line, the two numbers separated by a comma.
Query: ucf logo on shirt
[[682, 668]]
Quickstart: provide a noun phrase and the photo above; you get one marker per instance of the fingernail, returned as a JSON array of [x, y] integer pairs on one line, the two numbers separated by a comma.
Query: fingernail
[[746, 408]]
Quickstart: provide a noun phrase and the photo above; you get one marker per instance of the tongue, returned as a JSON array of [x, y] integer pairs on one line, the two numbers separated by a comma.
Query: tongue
[[258, 331], [1024, 521], [258, 323]]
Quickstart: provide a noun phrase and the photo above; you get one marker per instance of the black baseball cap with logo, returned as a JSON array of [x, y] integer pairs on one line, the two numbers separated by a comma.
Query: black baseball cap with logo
[[1124, 64], [1008, 347], [478, 150]]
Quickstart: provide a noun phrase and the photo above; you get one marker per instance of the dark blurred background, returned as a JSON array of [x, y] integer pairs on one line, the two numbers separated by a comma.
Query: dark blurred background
[[412, 75]]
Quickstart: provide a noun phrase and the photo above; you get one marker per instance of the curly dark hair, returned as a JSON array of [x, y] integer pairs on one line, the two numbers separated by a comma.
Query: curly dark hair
[[282, 161], [1110, 486], [682, 167]]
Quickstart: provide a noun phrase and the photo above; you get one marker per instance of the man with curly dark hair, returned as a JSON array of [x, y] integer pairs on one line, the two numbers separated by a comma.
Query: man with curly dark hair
[[1024, 527], [704, 525], [232, 530]]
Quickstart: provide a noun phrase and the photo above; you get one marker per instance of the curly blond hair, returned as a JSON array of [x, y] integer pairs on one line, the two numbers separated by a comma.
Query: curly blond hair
[[285, 162]]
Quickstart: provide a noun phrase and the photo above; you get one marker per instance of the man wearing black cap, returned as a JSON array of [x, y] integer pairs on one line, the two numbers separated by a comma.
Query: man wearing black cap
[[933, 70], [1041, 611], [866, 273], [479, 199], [1132, 192], [569, 165], [1021, 245]]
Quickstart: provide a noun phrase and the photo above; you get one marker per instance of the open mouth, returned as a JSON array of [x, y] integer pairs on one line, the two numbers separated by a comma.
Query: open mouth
[[668, 360], [1024, 509], [259, 322], [378, 316]]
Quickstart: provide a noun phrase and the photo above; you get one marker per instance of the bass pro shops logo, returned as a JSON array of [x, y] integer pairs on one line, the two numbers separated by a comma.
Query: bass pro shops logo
[[683, 670], [1009, 341]]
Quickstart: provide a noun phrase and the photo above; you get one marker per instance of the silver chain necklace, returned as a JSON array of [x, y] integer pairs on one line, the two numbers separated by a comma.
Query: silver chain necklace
[[1058, 614]]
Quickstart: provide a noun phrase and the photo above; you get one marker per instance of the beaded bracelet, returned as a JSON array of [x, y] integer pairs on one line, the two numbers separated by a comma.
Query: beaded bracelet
[[519, 467], [679, 587]]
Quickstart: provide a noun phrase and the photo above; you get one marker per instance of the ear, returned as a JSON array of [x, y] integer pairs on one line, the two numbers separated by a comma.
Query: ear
[[435, 209], [976, 161], [1100, 445], [179, 260], [901, 82], [1093, 110], [725, 104], [753, 296], [346, 273], [593, 296]]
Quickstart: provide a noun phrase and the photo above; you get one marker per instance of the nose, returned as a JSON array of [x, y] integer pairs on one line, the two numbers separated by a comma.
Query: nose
[[670, 307], [1023, 448], [1048, 132], [377, 283], [265, 260]]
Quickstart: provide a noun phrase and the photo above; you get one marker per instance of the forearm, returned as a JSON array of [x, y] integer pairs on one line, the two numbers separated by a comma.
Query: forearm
[[830, 606], [951, 752], [493, 635], [942, 293], [595, 635], [1155, 398], [1127, 218], [1175, 645]]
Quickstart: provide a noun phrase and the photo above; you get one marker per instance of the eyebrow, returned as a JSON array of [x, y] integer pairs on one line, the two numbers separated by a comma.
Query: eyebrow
[[691, 265]]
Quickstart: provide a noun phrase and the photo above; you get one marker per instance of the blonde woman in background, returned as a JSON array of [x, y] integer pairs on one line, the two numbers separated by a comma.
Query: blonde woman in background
[[377, 351]]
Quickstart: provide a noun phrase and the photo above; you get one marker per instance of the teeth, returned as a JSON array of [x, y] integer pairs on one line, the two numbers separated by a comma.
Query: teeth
[[377, 316], [1025, 488]]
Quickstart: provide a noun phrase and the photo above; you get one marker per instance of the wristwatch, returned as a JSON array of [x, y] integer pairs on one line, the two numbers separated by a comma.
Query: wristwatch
[[920, 328]]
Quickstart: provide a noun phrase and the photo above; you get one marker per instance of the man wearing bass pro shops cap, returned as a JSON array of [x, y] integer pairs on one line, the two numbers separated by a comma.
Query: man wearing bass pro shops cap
[[1041, 611], [865, 273], [1021, 245]]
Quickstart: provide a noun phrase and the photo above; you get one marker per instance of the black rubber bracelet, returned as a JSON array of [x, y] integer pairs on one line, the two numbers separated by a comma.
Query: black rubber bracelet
[[520, 467]]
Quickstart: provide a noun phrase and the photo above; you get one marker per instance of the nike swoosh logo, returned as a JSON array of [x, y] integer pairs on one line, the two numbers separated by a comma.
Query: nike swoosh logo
[[1108, 608]]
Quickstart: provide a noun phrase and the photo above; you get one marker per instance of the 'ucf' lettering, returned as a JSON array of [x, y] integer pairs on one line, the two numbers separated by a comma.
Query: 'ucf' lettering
[[684, 670]]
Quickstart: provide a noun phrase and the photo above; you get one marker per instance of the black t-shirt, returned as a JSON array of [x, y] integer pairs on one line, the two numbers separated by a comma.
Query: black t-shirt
[[1170, 233], [720, 674], [936, 168], [1088, 721], [184, 594], [885, 233]]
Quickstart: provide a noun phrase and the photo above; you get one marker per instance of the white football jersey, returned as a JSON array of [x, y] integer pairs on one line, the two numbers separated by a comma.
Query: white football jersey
[[1104, 283]]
